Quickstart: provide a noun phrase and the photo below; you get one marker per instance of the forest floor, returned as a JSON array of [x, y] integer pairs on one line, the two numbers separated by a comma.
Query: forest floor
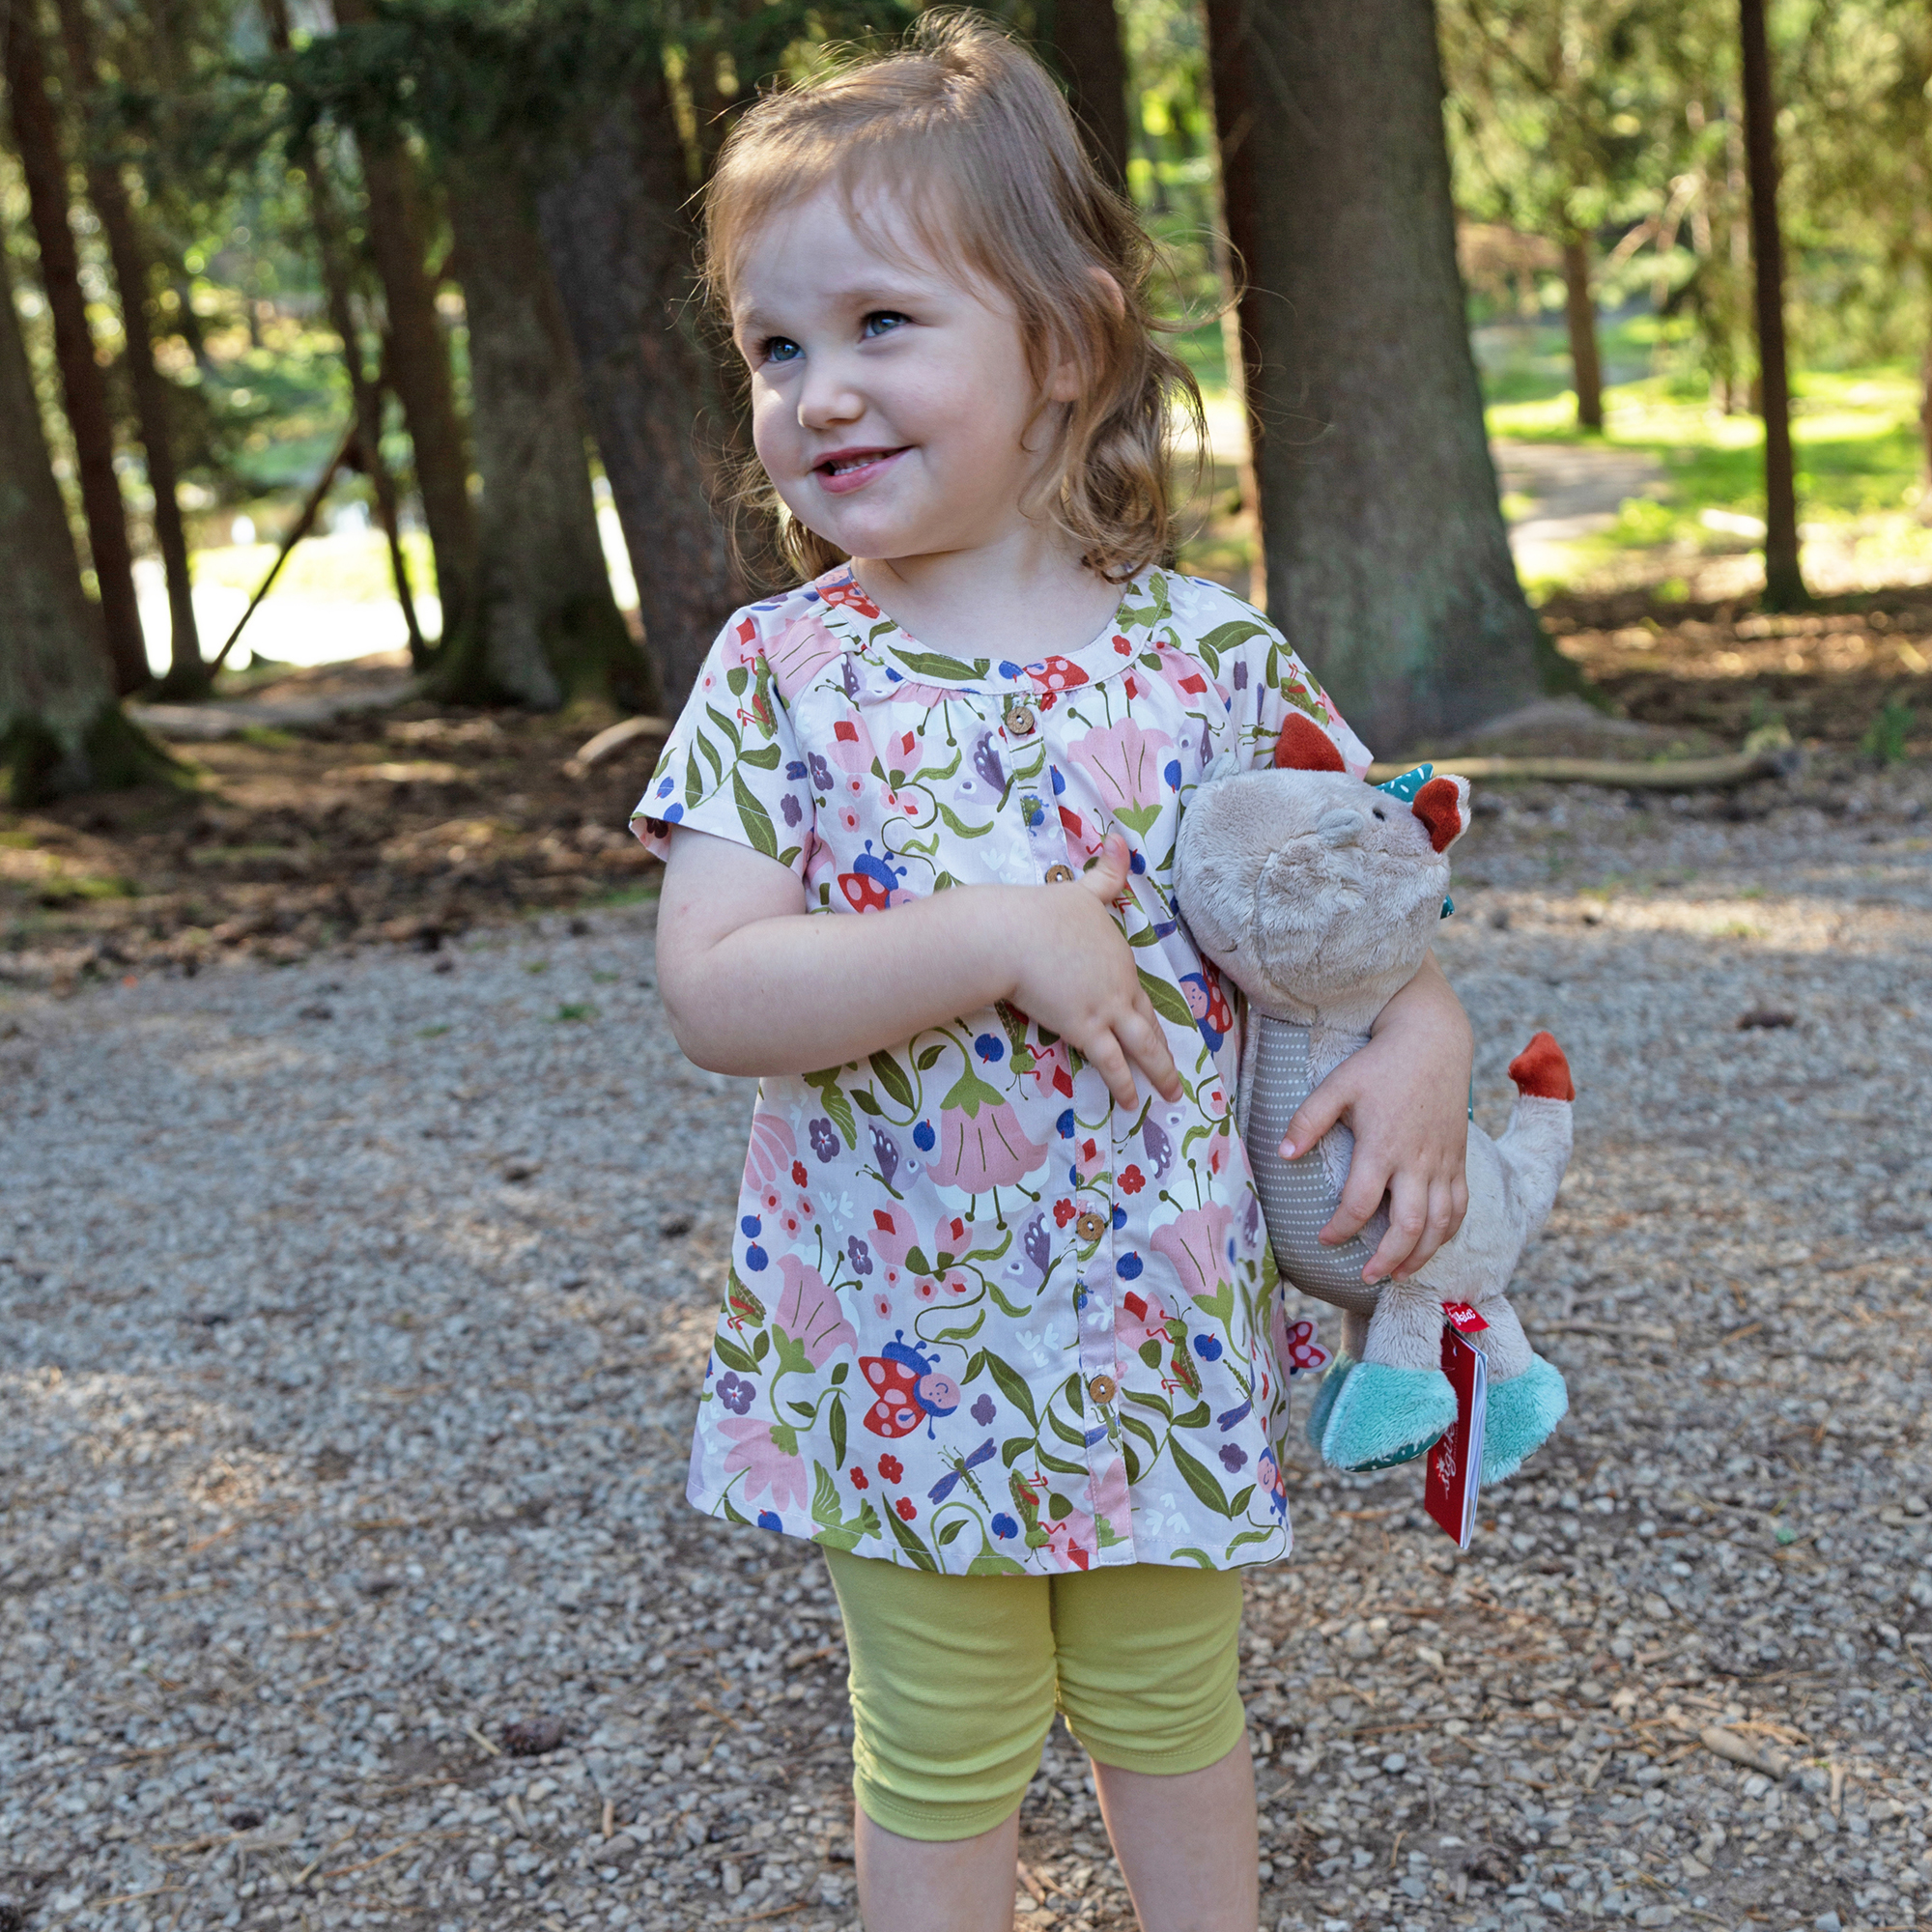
[[356, 1265]]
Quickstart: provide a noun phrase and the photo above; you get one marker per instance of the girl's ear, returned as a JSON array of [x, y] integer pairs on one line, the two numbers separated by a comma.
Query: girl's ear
[[1070, 376]]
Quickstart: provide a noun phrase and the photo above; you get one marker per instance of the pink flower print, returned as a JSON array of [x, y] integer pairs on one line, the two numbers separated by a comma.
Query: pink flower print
[[1182, 674], [809, 1312], [926, 1290], [772, 1152], [882, 1306], [791, 1222], [983, 1150], [768, 1469], [956, 1283], [1081, 1542], [1124, 765], [852, 752], [953, 1235], [1142, 1319], [1194, 1242], [893, 1232], [799, 652]]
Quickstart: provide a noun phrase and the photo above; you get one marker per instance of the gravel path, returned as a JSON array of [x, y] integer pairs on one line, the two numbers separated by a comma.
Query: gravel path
[[348, 1316]]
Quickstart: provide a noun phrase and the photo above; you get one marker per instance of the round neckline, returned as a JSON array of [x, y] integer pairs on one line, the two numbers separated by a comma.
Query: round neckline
[[882, 642]]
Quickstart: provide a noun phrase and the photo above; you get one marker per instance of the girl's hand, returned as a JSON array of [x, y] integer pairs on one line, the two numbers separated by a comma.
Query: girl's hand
[[1406, 1097], [1076, 977]]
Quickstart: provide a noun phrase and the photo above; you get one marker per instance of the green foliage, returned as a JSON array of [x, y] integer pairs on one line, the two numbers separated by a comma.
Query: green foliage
[[1886, 737]]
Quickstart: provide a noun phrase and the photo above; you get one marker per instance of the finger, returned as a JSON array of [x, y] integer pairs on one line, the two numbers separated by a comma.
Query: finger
[[1145, 1041], [1459, 1205], [1106, 1054], [1315, 1116], [1368, 1181], [1436, 1229], [1408, 1215], [1107, 878]]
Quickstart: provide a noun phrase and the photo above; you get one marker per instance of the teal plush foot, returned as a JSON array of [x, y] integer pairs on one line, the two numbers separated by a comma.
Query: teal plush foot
[[1518, 1417], [1326, 1390], [1383, 1417]]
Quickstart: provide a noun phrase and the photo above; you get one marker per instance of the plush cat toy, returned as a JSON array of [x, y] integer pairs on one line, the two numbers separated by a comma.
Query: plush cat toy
[[1316, 895]]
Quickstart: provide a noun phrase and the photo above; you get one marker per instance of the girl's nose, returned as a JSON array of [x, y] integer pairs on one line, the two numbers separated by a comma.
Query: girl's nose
[[827, 397]]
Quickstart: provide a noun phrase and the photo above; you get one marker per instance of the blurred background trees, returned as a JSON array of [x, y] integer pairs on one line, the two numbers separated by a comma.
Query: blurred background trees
[[420, 272]]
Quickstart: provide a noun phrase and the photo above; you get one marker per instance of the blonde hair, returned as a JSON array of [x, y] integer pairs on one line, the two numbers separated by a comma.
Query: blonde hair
[[1001, 183]]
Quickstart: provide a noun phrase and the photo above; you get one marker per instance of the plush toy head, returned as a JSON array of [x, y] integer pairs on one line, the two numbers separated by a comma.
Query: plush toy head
[[1316, 892]]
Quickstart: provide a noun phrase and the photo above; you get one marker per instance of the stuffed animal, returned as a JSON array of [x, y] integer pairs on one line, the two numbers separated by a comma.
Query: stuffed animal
[[1316, 894]]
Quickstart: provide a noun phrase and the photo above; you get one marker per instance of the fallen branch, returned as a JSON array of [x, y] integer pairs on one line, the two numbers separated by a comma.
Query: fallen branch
[[1728, 1744], [296, 530], [204, 724], [609, 742], [1666, 774]]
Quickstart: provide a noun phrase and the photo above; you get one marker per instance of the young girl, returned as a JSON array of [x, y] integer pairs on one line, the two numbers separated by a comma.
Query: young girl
[[995, 1334]]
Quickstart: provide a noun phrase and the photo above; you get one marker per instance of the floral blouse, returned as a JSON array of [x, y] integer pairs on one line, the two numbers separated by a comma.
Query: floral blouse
[[978, 1319]]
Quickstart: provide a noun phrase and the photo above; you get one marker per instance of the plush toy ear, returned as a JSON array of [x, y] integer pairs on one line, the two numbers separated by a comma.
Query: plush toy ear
[[1540, 1070], [1304, 747], [1439, 807]]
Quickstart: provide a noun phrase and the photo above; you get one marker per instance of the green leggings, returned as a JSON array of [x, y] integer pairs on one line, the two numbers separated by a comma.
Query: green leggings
[[955, 1680]]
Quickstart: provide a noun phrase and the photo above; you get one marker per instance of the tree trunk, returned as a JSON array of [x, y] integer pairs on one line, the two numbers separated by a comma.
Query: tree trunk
[[153, 401], [1579, 310], [1387, 561], [61, 729], [620, 247], [1087, 50], [83, 380], [1783, 579], [547, 630], [418, 362]]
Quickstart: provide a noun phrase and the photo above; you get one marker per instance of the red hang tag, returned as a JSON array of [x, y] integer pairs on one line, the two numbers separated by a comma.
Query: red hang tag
[[1455, 1463], [1462, 1317]]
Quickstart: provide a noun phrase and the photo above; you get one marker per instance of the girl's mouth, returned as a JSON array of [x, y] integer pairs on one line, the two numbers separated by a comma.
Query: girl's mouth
[[847, 470]]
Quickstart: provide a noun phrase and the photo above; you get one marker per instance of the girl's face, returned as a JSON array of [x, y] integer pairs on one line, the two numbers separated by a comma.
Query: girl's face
[[891, 405]]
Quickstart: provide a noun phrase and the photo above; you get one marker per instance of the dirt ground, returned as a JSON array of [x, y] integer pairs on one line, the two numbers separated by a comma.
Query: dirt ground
[[415, 824]]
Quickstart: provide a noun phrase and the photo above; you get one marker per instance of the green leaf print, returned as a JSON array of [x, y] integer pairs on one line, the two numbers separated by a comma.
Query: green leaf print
[[732, 1356], [892, 1077], [737, 678], [932, 664], [1252, 1536], [831, 1097], [1014, 1389], [916, 1260], [838, 1428], [755, 819], [1066, 1433], [1014, 1446], [962, 1334], [910, 1541], [991, 1563], [1199, 1556], [725, 726], [1197, 1417], [825, 1506], [1132, 1461], [1227, 637], [1166, 1000], [784, 1438], [955, 823], [949, 1530], [1238, 1503], [693, 782], [930, 1056], [765, 757], [969, 1094], [710, 750], [1059, 1463], [1195, 1475], [867, 1102]]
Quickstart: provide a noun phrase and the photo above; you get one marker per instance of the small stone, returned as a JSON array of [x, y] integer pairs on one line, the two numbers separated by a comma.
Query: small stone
[[532, 1736], [520, 1170], [316, 1010], [243, 1820]]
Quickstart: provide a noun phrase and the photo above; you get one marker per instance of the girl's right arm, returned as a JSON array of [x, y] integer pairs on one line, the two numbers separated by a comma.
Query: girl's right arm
[[755, 983]]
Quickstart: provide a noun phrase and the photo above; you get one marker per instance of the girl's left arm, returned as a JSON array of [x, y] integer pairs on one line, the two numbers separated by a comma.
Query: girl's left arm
[[1406, 1097]]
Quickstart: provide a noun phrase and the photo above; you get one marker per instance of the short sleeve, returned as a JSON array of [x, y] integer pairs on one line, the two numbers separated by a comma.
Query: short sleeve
[[1269, 684], [732, 765]]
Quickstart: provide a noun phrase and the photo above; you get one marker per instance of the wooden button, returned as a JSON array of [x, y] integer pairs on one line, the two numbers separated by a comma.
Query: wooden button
[[1058, 875], [1091, 1226], [1104, 1389], [1020, 720]]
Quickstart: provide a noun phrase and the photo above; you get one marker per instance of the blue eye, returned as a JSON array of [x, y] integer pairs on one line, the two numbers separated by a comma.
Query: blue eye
[[781, 348], [883, 321]]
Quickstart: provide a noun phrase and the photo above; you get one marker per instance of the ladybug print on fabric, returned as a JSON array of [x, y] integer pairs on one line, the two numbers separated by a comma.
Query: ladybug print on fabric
[[874, 885], [907, 1389], [1208, 1004], [1301, 1353]]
